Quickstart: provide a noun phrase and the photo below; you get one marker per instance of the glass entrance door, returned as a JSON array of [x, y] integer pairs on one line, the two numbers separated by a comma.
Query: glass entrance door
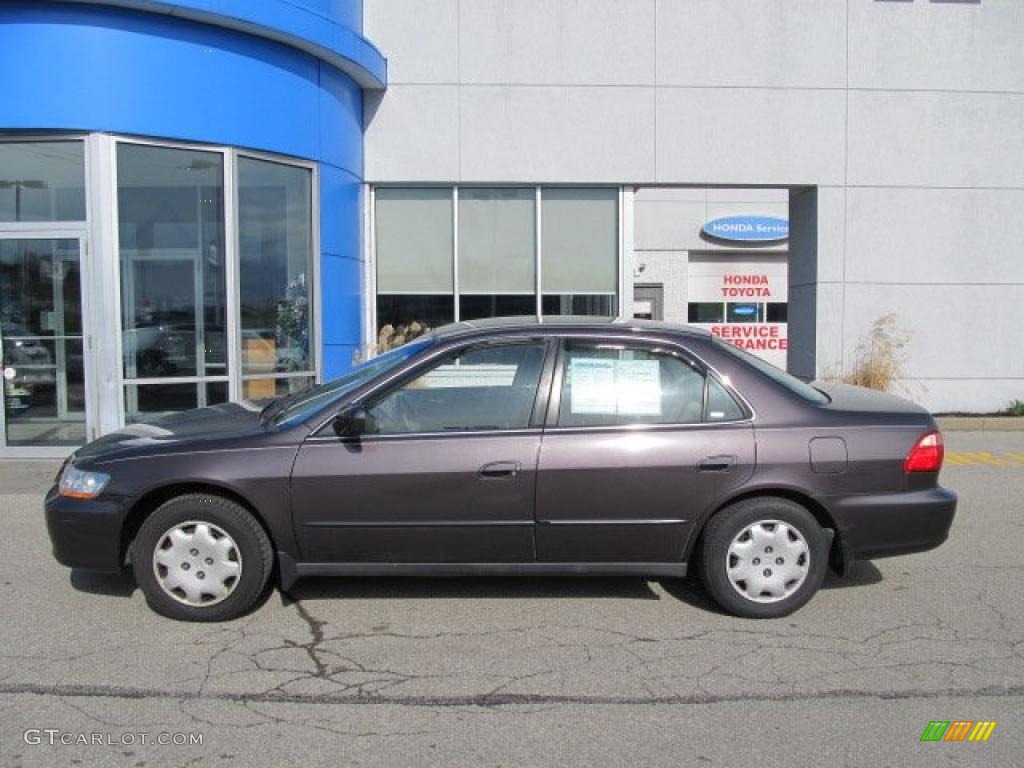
[[42, 342]]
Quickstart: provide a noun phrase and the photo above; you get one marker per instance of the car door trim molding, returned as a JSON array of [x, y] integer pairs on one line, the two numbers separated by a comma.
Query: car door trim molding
[[415, 523], [291, 570], [363, 439], [624, 521]]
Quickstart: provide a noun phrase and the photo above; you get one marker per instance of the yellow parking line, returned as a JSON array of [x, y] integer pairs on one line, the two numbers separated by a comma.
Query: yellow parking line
[[986, 458]]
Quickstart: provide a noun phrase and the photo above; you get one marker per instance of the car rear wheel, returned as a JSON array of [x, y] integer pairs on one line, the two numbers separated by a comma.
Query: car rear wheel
[[201, 557], [763, 558]]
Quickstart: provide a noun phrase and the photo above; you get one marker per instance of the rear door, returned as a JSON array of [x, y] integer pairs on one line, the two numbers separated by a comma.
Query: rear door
[[640, 440], [445, 473]]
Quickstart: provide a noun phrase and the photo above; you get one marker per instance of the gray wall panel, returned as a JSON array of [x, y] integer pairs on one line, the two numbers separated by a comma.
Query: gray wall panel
[[935, 236], [750, 136], [799, 43], [936, 139], [937, 46], [537, 133], [419, 39], [414, 134], [557, 42]]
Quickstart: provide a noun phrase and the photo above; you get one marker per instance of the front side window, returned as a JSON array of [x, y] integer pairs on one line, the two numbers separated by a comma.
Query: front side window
[[490, 388]]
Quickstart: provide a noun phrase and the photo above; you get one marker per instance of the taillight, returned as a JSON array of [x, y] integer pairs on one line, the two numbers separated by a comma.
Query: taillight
[[926, 455]]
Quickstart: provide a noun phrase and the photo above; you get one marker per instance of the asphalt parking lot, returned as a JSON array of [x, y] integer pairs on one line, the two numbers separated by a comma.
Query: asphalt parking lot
[[552, 672]]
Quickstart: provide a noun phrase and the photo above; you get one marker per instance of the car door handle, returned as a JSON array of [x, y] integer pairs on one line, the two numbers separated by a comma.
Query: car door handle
[[500, 469], [716, 463]]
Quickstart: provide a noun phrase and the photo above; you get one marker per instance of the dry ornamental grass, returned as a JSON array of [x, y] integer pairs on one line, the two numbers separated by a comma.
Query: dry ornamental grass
[[879, 358]]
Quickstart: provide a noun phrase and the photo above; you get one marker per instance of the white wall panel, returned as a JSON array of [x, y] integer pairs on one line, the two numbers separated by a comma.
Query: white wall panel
[[557, 42], [557, 134]]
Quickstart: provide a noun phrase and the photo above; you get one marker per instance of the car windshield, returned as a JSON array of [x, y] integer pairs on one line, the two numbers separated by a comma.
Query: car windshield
[[779, 376], [300, 407]]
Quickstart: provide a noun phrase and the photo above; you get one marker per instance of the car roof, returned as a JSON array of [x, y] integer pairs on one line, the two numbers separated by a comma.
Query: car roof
[[561, 323]]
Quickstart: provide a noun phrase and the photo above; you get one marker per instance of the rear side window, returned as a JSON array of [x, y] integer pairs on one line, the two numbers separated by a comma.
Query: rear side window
[[614, 384], [721, 406]]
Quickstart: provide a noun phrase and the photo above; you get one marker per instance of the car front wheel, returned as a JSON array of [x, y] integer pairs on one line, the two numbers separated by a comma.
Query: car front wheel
[[763, 558], [201, 557]]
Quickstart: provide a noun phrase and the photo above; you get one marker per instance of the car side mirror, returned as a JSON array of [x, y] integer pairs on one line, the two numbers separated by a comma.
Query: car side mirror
[[351, 423]]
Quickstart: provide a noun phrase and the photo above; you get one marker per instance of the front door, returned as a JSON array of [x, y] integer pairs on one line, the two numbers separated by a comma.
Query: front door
[[643, 442], [446, 471], [43, 341]]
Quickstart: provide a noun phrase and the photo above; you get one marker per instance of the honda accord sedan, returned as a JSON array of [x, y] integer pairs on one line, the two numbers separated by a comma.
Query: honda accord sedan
[[575, 446]]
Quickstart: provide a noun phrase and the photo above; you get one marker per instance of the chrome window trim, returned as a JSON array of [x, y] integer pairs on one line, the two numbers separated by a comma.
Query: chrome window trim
[[546, 333]]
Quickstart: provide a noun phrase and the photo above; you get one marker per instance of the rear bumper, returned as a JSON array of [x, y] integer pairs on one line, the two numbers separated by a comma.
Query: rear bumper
[[889, 524], [85, 533]]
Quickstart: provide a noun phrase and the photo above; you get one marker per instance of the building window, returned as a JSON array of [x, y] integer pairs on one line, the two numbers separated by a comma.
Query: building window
[[173, 297], [415, 275], [580, 251], [42, 181], [465, 253], [497, 252], [275, 250]]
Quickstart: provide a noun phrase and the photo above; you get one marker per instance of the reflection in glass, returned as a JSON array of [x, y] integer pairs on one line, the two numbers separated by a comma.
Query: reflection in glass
[[775, 312], [400, 318], [496, 305], [261, 389], [42, 181], [706, 312], [171, 235], [150, 402], [743, 312], [276, 252], [40, 330], [601, 305]]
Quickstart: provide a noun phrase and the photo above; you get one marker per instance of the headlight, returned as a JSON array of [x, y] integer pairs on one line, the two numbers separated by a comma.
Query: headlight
[[76, 484]]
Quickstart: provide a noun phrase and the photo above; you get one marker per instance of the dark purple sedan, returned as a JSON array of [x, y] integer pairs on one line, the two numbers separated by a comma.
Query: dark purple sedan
[[576, 446]]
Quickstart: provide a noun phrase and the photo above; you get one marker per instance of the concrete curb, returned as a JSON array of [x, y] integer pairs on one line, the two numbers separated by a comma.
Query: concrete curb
[[981, 423]]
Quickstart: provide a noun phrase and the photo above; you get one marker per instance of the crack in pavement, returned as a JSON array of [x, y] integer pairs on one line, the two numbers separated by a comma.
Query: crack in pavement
[[504, 699]]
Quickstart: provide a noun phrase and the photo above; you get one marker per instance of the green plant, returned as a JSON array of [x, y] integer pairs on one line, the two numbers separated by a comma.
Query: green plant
[[879, 358], [1016, 408]]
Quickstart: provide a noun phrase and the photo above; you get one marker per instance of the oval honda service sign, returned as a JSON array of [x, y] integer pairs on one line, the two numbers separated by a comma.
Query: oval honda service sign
[[748, 229]]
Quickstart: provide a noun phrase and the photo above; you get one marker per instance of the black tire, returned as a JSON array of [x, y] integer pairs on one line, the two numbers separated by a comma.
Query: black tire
[[253, 548], [728, 524]]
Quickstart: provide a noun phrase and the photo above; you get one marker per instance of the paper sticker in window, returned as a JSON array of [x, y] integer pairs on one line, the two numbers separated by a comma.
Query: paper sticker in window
[[592, 385], [615, 387], [638, 387]]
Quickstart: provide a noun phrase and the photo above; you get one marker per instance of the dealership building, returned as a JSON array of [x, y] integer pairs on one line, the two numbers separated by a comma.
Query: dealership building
[[213, 200]]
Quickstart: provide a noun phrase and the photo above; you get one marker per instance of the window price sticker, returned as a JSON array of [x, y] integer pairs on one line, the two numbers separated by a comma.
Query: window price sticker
[[611, 387]]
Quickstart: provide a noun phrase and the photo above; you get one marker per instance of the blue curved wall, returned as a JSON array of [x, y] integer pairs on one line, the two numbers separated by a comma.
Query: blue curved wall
[[95, 67]]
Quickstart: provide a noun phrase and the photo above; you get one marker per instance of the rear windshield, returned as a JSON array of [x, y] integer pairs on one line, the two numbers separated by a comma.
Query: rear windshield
[[779, 376]]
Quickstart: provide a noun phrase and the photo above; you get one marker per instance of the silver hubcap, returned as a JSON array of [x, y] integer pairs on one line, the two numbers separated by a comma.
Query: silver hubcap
[[768, 561], [197, 563]]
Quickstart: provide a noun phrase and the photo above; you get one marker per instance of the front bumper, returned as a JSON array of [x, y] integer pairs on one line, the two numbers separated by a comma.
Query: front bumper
[[889, 524], [85, 533]]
